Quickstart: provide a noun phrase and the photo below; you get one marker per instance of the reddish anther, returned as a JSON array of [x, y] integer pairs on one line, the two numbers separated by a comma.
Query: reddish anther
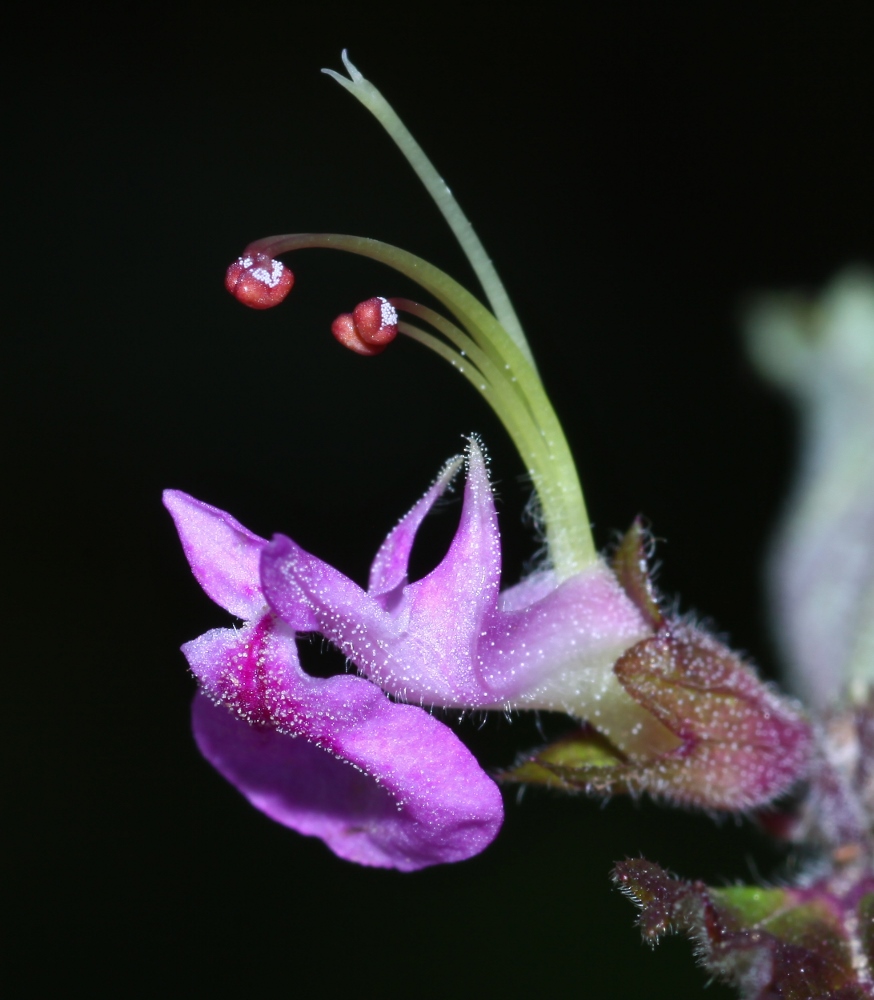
[[258, 281], [369, 328]]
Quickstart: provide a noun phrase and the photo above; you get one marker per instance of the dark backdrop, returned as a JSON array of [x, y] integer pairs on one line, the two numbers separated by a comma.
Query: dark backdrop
[[635, 173]]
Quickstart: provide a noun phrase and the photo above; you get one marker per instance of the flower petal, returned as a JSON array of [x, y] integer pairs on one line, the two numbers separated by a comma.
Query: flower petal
[[558, 653], [528, 591], [389, 569], [382, 784], [223, 554], [421, 645], [447, 608], [311, 596]]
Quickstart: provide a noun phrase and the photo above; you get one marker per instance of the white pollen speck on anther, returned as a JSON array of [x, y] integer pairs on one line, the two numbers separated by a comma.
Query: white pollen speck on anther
[[388, 315]]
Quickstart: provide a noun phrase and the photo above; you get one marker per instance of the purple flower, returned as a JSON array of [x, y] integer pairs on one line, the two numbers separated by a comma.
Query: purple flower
[[357, 759], [381, 783], [414, 795]]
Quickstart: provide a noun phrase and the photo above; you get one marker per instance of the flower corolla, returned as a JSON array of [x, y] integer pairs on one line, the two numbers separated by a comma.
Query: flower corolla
[[414, 795]]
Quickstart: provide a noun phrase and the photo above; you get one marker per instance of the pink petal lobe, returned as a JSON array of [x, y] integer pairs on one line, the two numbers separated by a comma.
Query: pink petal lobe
[[389, 569], [311, 596], [419, 642], [449, 605], [224, 556], [382, 784]]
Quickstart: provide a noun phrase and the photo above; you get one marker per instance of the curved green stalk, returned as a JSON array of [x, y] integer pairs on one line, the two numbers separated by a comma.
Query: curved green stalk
[[475, 252], [494, 391], [467, 347], [542, 443]]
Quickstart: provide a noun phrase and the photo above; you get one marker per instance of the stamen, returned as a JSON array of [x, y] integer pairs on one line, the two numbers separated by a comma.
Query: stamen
[[258, 281], [498, 369], [487, 347], [369, 328]]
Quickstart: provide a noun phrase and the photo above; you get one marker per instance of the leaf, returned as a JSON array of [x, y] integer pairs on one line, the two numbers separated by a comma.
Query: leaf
[[796, 944]]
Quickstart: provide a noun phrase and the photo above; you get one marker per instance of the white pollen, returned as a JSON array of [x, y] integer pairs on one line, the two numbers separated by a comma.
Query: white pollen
[[272, 277], [388, 315]]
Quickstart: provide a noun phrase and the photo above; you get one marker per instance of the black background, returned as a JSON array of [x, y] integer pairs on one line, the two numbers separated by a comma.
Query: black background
[[635, 173]]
